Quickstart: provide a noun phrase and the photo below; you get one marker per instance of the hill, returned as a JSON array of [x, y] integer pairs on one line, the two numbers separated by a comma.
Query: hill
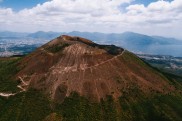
[[73, 78]]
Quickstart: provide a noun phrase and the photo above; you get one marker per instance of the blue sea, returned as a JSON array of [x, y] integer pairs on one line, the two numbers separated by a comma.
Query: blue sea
[[174, 50]]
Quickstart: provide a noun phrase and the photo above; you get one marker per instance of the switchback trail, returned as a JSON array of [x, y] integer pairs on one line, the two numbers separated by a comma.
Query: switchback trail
[[13, 94]]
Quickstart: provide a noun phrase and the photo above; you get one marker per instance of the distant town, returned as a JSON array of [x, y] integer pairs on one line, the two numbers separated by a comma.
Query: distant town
[[10, 47]]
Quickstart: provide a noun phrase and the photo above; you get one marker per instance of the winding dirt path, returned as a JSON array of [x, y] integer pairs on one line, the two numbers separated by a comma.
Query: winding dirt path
[[7, 94], [18, 86]]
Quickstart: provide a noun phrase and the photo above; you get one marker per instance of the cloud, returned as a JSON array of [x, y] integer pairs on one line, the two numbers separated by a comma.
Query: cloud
[[94, 7], [157, 11], [66, 15], [96, 15]]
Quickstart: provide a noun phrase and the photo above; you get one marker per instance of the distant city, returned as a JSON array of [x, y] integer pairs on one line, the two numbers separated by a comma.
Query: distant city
[[19, 46]]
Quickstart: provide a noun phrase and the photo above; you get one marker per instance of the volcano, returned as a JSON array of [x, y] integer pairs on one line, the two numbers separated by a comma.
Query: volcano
[[74, 64], [82, 80]]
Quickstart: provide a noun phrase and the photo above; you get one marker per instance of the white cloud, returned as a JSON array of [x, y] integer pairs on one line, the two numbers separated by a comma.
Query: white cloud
[[158, 11], [159, 17]]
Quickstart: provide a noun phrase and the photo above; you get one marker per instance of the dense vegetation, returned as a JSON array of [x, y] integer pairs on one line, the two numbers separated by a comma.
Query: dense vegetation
[[34, 106], [132, 106], [7, 69], [26, 106]]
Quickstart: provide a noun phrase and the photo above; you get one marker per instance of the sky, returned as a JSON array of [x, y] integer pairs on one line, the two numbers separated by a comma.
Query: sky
[[152, 17], [20, 4]]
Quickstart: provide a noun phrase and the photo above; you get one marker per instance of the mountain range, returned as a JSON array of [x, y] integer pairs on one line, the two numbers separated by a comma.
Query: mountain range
[[134, 42], [75, 79], [126, 37]]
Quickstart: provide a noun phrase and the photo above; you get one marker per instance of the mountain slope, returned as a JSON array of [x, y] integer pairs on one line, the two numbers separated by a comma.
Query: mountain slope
[[72, 78]]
